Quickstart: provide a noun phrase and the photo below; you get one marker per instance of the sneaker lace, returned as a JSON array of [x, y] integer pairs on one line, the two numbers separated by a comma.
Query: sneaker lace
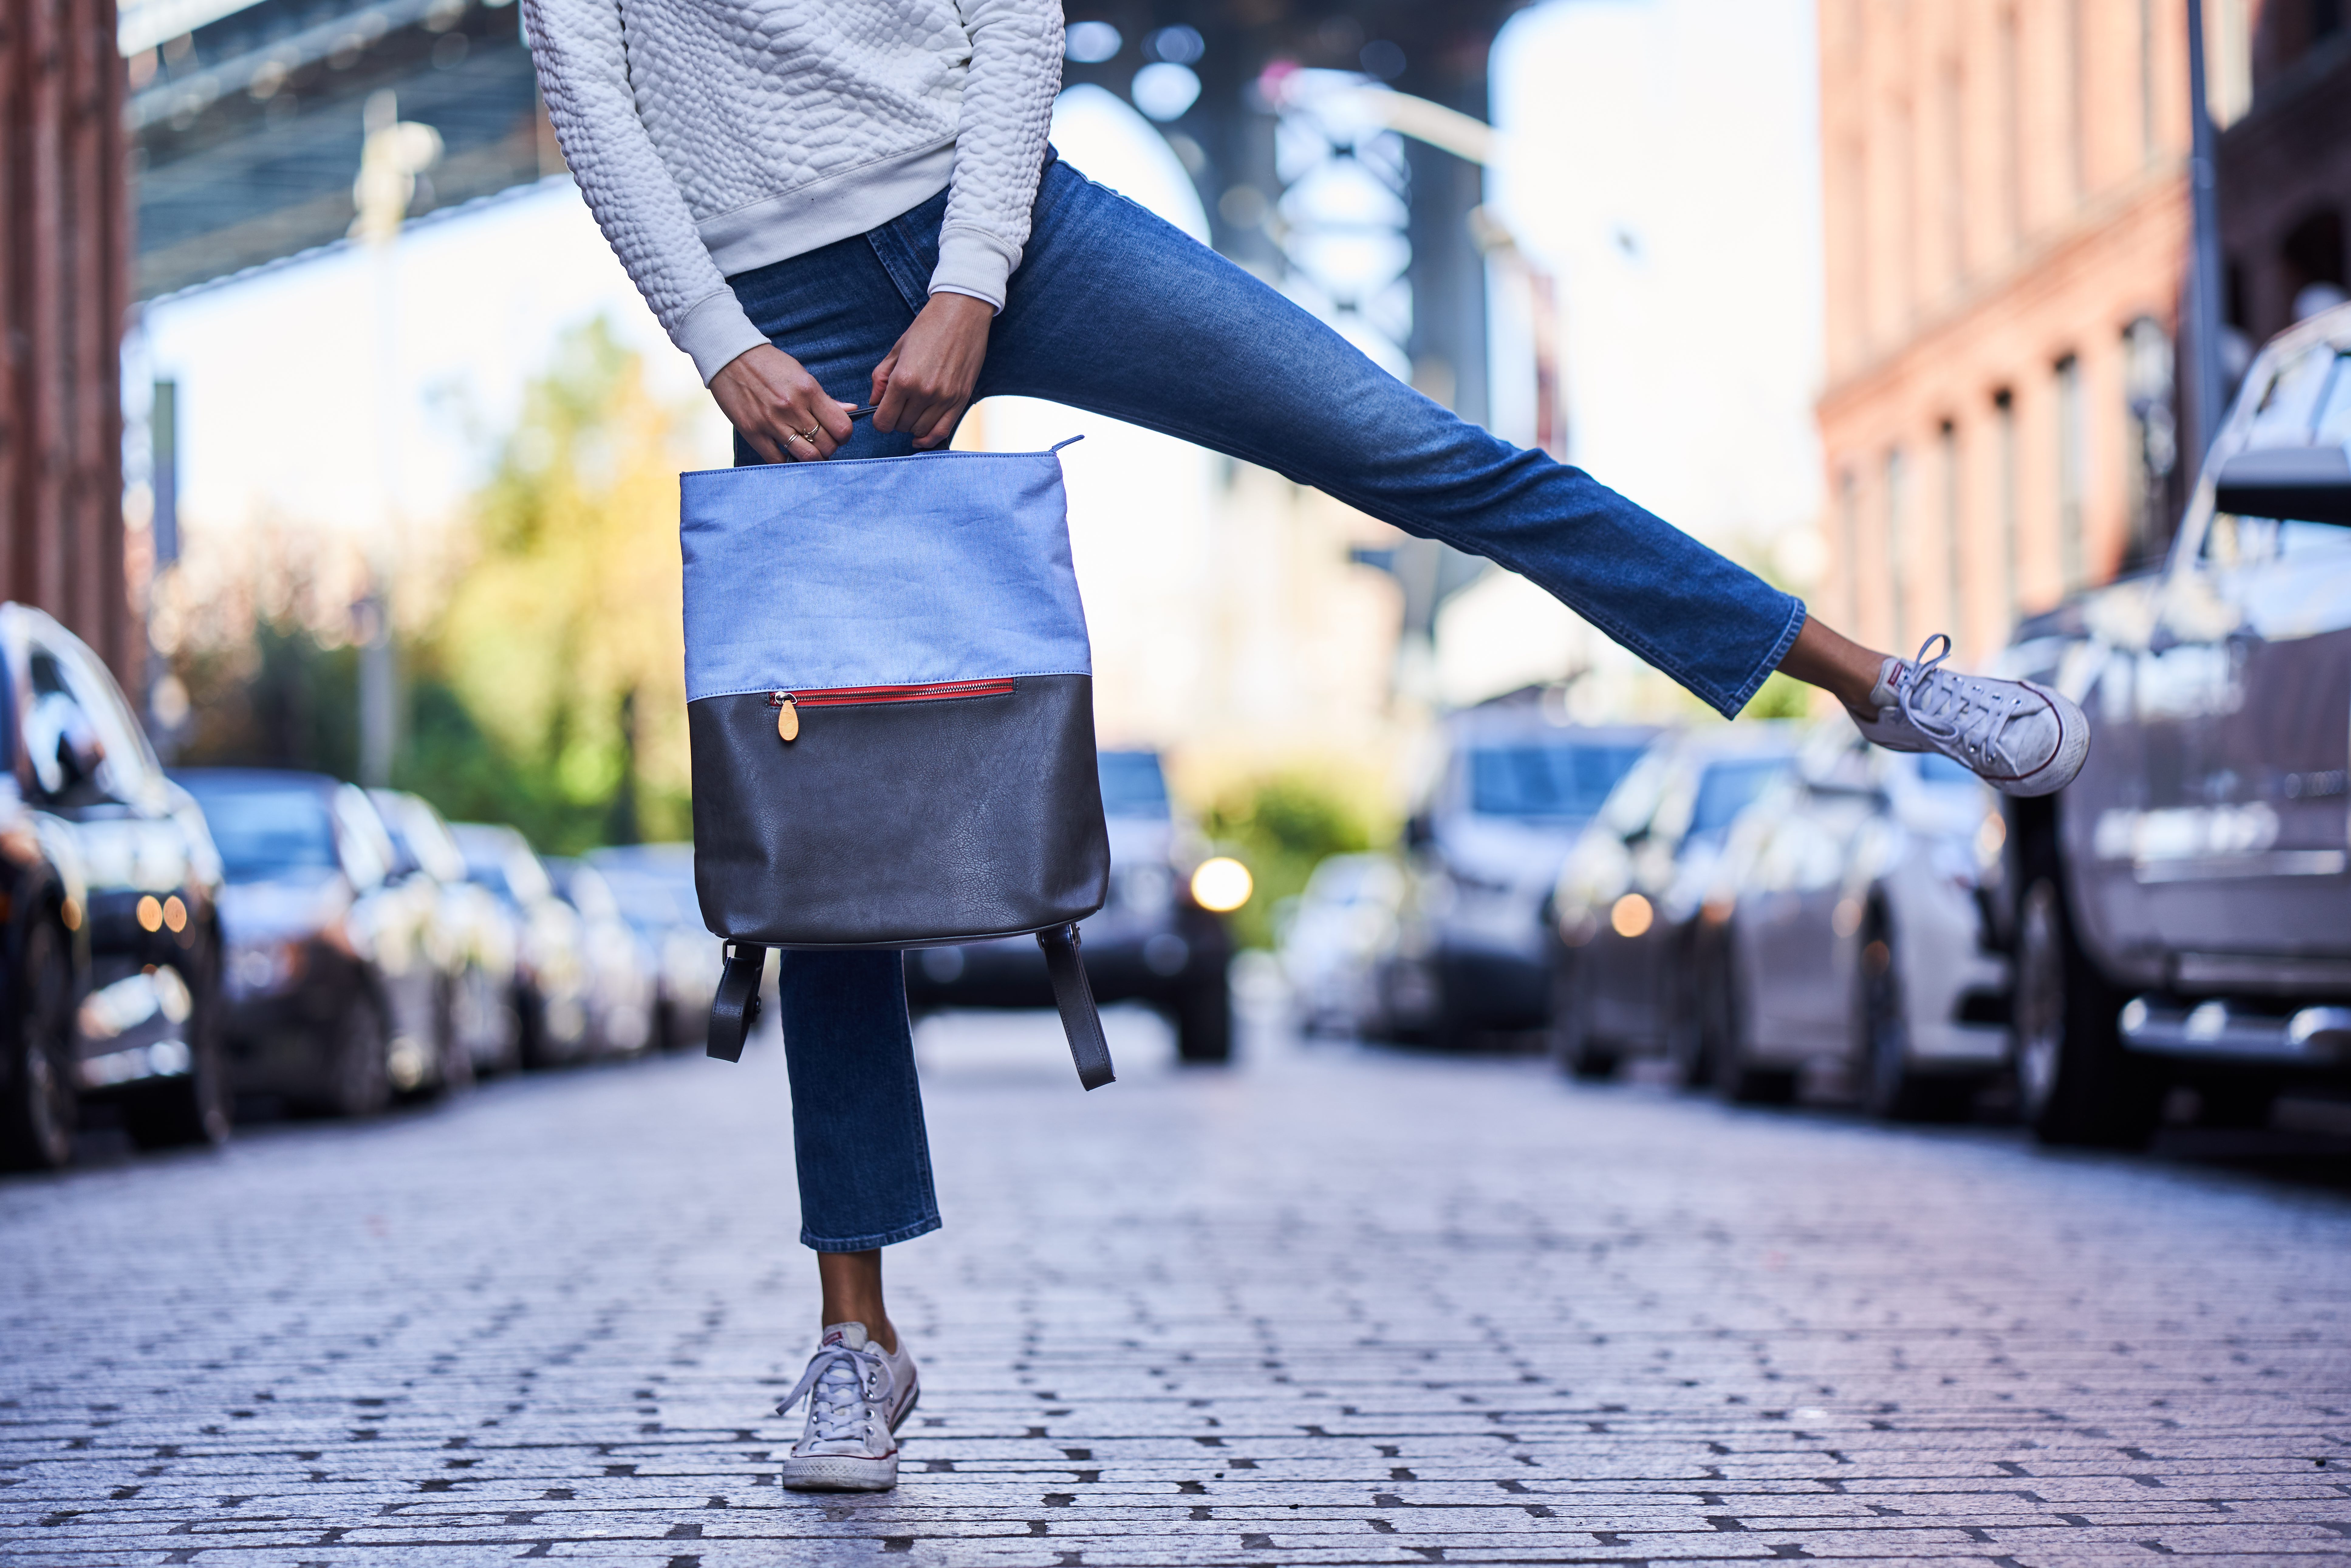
[[1971, 716], [837, 1384]]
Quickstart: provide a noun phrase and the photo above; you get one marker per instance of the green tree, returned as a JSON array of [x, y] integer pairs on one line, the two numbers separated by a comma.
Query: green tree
[[550, 690]]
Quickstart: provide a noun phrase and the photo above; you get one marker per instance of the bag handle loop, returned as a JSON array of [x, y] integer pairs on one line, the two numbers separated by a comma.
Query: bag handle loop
[[735, 1009]]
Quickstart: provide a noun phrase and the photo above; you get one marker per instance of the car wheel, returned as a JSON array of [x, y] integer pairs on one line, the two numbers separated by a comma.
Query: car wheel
[[1203, 1019], [196, 1109], [1577, 1050], [42, 1101], [1892, 1089], [456, 1067], [1738, 1077], [2074, 1081], [361, 1084]]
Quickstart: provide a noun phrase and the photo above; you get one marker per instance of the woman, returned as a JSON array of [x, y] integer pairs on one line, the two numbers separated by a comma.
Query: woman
[[831, 203]]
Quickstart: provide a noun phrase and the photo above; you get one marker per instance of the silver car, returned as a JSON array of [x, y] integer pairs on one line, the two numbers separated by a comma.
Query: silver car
[[1844, 934], [2181, 913]]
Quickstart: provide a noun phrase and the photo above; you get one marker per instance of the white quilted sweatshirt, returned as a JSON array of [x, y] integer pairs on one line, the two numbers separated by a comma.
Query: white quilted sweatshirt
[[715, 136]]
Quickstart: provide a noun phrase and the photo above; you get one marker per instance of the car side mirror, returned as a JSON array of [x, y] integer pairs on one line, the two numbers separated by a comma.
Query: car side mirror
[[2309, 484]]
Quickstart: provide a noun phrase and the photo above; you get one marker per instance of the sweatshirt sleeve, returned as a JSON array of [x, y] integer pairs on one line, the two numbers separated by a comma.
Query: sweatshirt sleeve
[[1007, 110], [576, 48]]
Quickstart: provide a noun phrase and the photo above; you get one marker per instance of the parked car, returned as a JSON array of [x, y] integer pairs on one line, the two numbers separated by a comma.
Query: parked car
[[473, 941], [1844, 933], [654, 885], [1626, 907], [2181, 913], [1331, 937], [552, 988], [43, 976], [619, 969], [147, 1034], [1153, 942], [1513, 788], [333, 997]]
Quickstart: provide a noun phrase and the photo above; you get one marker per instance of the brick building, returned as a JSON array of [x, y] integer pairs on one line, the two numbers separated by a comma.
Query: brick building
[[2007, 238], [64, 250]]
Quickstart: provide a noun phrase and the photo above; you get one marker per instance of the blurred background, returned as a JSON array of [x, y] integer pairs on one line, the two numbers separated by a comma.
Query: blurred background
[[333, 430]]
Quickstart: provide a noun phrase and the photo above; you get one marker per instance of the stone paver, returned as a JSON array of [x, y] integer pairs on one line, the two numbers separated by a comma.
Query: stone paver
[[1336, 1306]]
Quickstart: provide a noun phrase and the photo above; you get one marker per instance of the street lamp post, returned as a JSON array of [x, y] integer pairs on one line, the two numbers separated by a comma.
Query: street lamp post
[[2204, 270], [395, 153]]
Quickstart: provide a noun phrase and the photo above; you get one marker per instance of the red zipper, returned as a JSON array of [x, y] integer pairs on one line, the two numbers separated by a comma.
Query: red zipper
[[936, 691]]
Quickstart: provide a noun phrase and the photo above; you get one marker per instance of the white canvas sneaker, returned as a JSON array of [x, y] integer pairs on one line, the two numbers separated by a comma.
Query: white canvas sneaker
[[2019, 736], [858, 1395]]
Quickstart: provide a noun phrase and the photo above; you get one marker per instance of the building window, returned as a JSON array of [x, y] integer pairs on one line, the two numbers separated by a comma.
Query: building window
[[1849, 526], [2003, 426], [1947, 444], [2313, 254], [2011, 129], [1897, 545], [2147, 392], [2076, 133], [2072, 471], [1955, 185]]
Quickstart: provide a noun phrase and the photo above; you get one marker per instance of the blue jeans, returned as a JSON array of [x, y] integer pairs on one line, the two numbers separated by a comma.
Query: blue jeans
[[1114, 311]]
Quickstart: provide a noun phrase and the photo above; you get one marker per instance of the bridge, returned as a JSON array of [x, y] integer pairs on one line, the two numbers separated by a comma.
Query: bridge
[[246, 126]]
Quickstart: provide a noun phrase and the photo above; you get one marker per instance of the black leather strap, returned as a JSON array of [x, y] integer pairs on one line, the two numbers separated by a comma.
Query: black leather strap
[[734, 1011], [1075, 1000]]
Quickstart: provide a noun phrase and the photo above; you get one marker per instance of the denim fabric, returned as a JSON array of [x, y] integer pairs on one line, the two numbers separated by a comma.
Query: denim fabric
[[858, 1143], [1116, 311], [790, 585]]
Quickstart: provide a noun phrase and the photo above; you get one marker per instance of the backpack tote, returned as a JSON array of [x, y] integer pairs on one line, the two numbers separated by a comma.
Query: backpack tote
[[890, 699]]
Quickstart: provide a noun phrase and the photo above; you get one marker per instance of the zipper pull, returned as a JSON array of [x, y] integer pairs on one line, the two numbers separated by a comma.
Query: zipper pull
[[788, 714]]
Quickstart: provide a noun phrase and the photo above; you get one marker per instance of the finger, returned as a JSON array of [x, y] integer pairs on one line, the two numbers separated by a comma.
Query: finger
[[808, 437], [812, 429], [940, 426], [764, 444], [883, 372]]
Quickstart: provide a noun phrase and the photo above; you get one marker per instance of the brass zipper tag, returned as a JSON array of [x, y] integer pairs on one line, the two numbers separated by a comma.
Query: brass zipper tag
[[788, 714]]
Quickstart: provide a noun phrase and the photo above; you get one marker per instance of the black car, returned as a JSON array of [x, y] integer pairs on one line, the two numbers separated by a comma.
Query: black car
[[334, 1001], [1516, 785], [2180, 913], [1626, 908], [146, 1037], [44, 973], [1153, 942]]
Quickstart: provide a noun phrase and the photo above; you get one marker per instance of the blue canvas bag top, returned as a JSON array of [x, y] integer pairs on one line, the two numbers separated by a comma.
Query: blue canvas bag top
[[890, 700]]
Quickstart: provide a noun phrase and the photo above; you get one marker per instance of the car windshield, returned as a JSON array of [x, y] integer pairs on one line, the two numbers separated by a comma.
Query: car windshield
[[1561, 780], [1132, 785], [1727, 789], [268, 833]]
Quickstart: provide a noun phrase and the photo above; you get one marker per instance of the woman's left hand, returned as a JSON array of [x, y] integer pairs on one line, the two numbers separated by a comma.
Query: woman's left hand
[[926, 382]]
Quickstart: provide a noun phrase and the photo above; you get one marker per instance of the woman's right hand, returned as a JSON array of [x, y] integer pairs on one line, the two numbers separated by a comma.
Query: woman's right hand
[[768, 396]]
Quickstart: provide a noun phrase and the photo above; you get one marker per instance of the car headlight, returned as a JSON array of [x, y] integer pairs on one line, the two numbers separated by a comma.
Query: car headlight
[[1222, 885]]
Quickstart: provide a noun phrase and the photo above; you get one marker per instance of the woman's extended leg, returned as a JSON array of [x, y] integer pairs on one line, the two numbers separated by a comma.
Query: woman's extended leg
[[1114, 310]]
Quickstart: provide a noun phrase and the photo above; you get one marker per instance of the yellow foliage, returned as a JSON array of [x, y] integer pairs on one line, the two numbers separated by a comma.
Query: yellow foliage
[[571, 598]]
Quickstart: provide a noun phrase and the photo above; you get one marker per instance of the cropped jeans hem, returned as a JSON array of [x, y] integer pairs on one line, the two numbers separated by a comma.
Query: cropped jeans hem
[[816, 1243], [1762, 673]]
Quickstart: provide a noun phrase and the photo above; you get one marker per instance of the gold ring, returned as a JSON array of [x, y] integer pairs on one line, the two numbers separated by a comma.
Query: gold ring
[[808, 434]]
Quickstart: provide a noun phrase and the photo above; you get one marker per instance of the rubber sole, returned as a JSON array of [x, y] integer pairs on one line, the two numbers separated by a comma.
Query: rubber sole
[[850, 1472]]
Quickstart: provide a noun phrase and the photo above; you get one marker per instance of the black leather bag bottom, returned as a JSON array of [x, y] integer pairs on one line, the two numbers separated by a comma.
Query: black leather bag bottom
[[899, 824]]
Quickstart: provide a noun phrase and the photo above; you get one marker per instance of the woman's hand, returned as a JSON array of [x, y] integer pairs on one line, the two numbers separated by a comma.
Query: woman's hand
[[926, 382], [768, 396]]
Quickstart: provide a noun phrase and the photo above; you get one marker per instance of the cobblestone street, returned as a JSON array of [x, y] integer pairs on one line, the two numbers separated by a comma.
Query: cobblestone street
[[1337, 1305]]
